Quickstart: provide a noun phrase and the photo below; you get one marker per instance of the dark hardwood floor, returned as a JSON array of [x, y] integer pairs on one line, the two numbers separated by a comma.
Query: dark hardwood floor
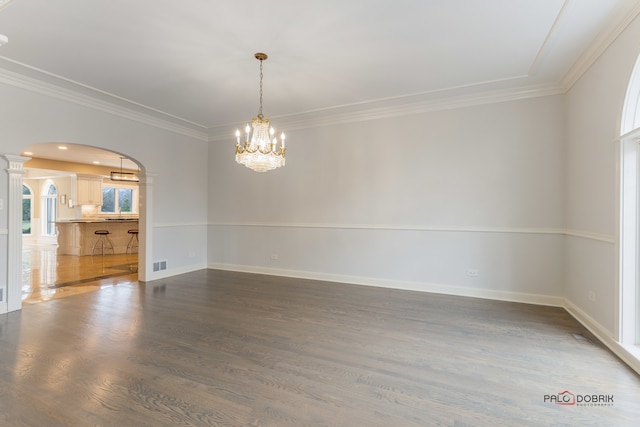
[[214, 348]]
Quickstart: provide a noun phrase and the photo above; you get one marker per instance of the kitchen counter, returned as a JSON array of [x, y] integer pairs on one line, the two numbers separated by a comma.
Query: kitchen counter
[[76, 236], [101, 220]]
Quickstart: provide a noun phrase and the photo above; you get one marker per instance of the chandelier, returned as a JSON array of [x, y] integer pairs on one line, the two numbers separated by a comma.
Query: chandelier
[[260, 150], [124, 176]]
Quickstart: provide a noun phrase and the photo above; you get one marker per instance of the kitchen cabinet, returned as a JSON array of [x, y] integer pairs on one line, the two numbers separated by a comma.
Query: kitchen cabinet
[[89, 190]]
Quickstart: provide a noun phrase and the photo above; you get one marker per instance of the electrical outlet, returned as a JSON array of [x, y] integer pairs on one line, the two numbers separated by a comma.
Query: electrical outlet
[[472, 272]]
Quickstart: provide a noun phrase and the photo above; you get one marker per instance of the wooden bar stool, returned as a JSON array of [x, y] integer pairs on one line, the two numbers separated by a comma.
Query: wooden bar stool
[[133, 241], [103, 242]]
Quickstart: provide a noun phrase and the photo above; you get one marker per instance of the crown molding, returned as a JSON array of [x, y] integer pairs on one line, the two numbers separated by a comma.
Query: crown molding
[[54, 91], [597, 48], [363, 111], [395, 107], [452, 98]]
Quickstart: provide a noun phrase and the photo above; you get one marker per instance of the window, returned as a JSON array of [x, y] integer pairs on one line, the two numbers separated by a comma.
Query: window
[[631, 107], [49, 199], [119, 199], [27, 198], [629, 296]]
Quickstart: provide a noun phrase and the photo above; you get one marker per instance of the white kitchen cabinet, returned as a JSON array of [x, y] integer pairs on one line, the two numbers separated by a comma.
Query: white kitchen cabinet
[[89, 190]]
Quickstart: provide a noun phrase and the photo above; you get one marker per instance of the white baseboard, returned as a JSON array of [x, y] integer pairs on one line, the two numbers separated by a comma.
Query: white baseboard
[[629, 354], [398, 284]]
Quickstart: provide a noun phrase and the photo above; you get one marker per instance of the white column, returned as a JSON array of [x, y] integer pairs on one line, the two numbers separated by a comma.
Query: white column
[[14, 226], [145, 225]]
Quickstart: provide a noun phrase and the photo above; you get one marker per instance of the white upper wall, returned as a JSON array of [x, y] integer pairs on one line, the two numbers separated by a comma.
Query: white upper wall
[[594, 111], [494, 165]]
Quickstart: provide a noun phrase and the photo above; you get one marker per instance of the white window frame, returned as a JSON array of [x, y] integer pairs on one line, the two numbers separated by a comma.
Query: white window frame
[[134, 198], [629, 218], [30, 198], [49, 200]]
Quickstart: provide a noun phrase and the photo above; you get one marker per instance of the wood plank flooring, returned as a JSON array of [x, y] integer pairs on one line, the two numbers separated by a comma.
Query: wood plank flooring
[[46, 275], [215, 348]]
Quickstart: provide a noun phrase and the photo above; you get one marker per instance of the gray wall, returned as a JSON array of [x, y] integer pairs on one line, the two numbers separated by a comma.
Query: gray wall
[[412, 202]]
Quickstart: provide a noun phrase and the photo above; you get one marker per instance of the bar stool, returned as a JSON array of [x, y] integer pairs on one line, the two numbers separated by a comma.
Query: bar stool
[[103, 241], [133, 241]]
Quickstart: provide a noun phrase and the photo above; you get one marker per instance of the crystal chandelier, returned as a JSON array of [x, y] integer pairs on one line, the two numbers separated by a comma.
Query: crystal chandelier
[[260, 150]]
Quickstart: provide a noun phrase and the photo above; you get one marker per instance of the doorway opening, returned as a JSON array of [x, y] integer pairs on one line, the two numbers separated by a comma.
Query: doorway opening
[[77, 199]]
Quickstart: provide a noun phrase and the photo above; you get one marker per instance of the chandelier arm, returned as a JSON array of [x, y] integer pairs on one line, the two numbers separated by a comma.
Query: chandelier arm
[[268, 150]]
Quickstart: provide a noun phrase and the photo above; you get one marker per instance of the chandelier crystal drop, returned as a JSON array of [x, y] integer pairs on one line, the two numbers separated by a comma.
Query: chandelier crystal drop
[[260, 151]]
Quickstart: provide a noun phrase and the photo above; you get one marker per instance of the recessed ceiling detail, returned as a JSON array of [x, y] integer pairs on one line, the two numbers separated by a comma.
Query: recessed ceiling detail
[[185, 65]]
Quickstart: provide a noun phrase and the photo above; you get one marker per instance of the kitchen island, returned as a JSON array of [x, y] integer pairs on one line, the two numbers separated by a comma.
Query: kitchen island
[[76, 236]]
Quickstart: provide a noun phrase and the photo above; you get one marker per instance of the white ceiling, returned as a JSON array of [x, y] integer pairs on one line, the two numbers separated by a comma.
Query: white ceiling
[[191, 62], [78, 154]]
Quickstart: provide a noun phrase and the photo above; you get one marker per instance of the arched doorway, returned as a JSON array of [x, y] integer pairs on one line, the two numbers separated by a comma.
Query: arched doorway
[[52, 203]]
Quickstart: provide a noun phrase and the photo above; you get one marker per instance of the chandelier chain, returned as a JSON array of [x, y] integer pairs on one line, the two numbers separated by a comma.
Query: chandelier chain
[[260, 110]]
